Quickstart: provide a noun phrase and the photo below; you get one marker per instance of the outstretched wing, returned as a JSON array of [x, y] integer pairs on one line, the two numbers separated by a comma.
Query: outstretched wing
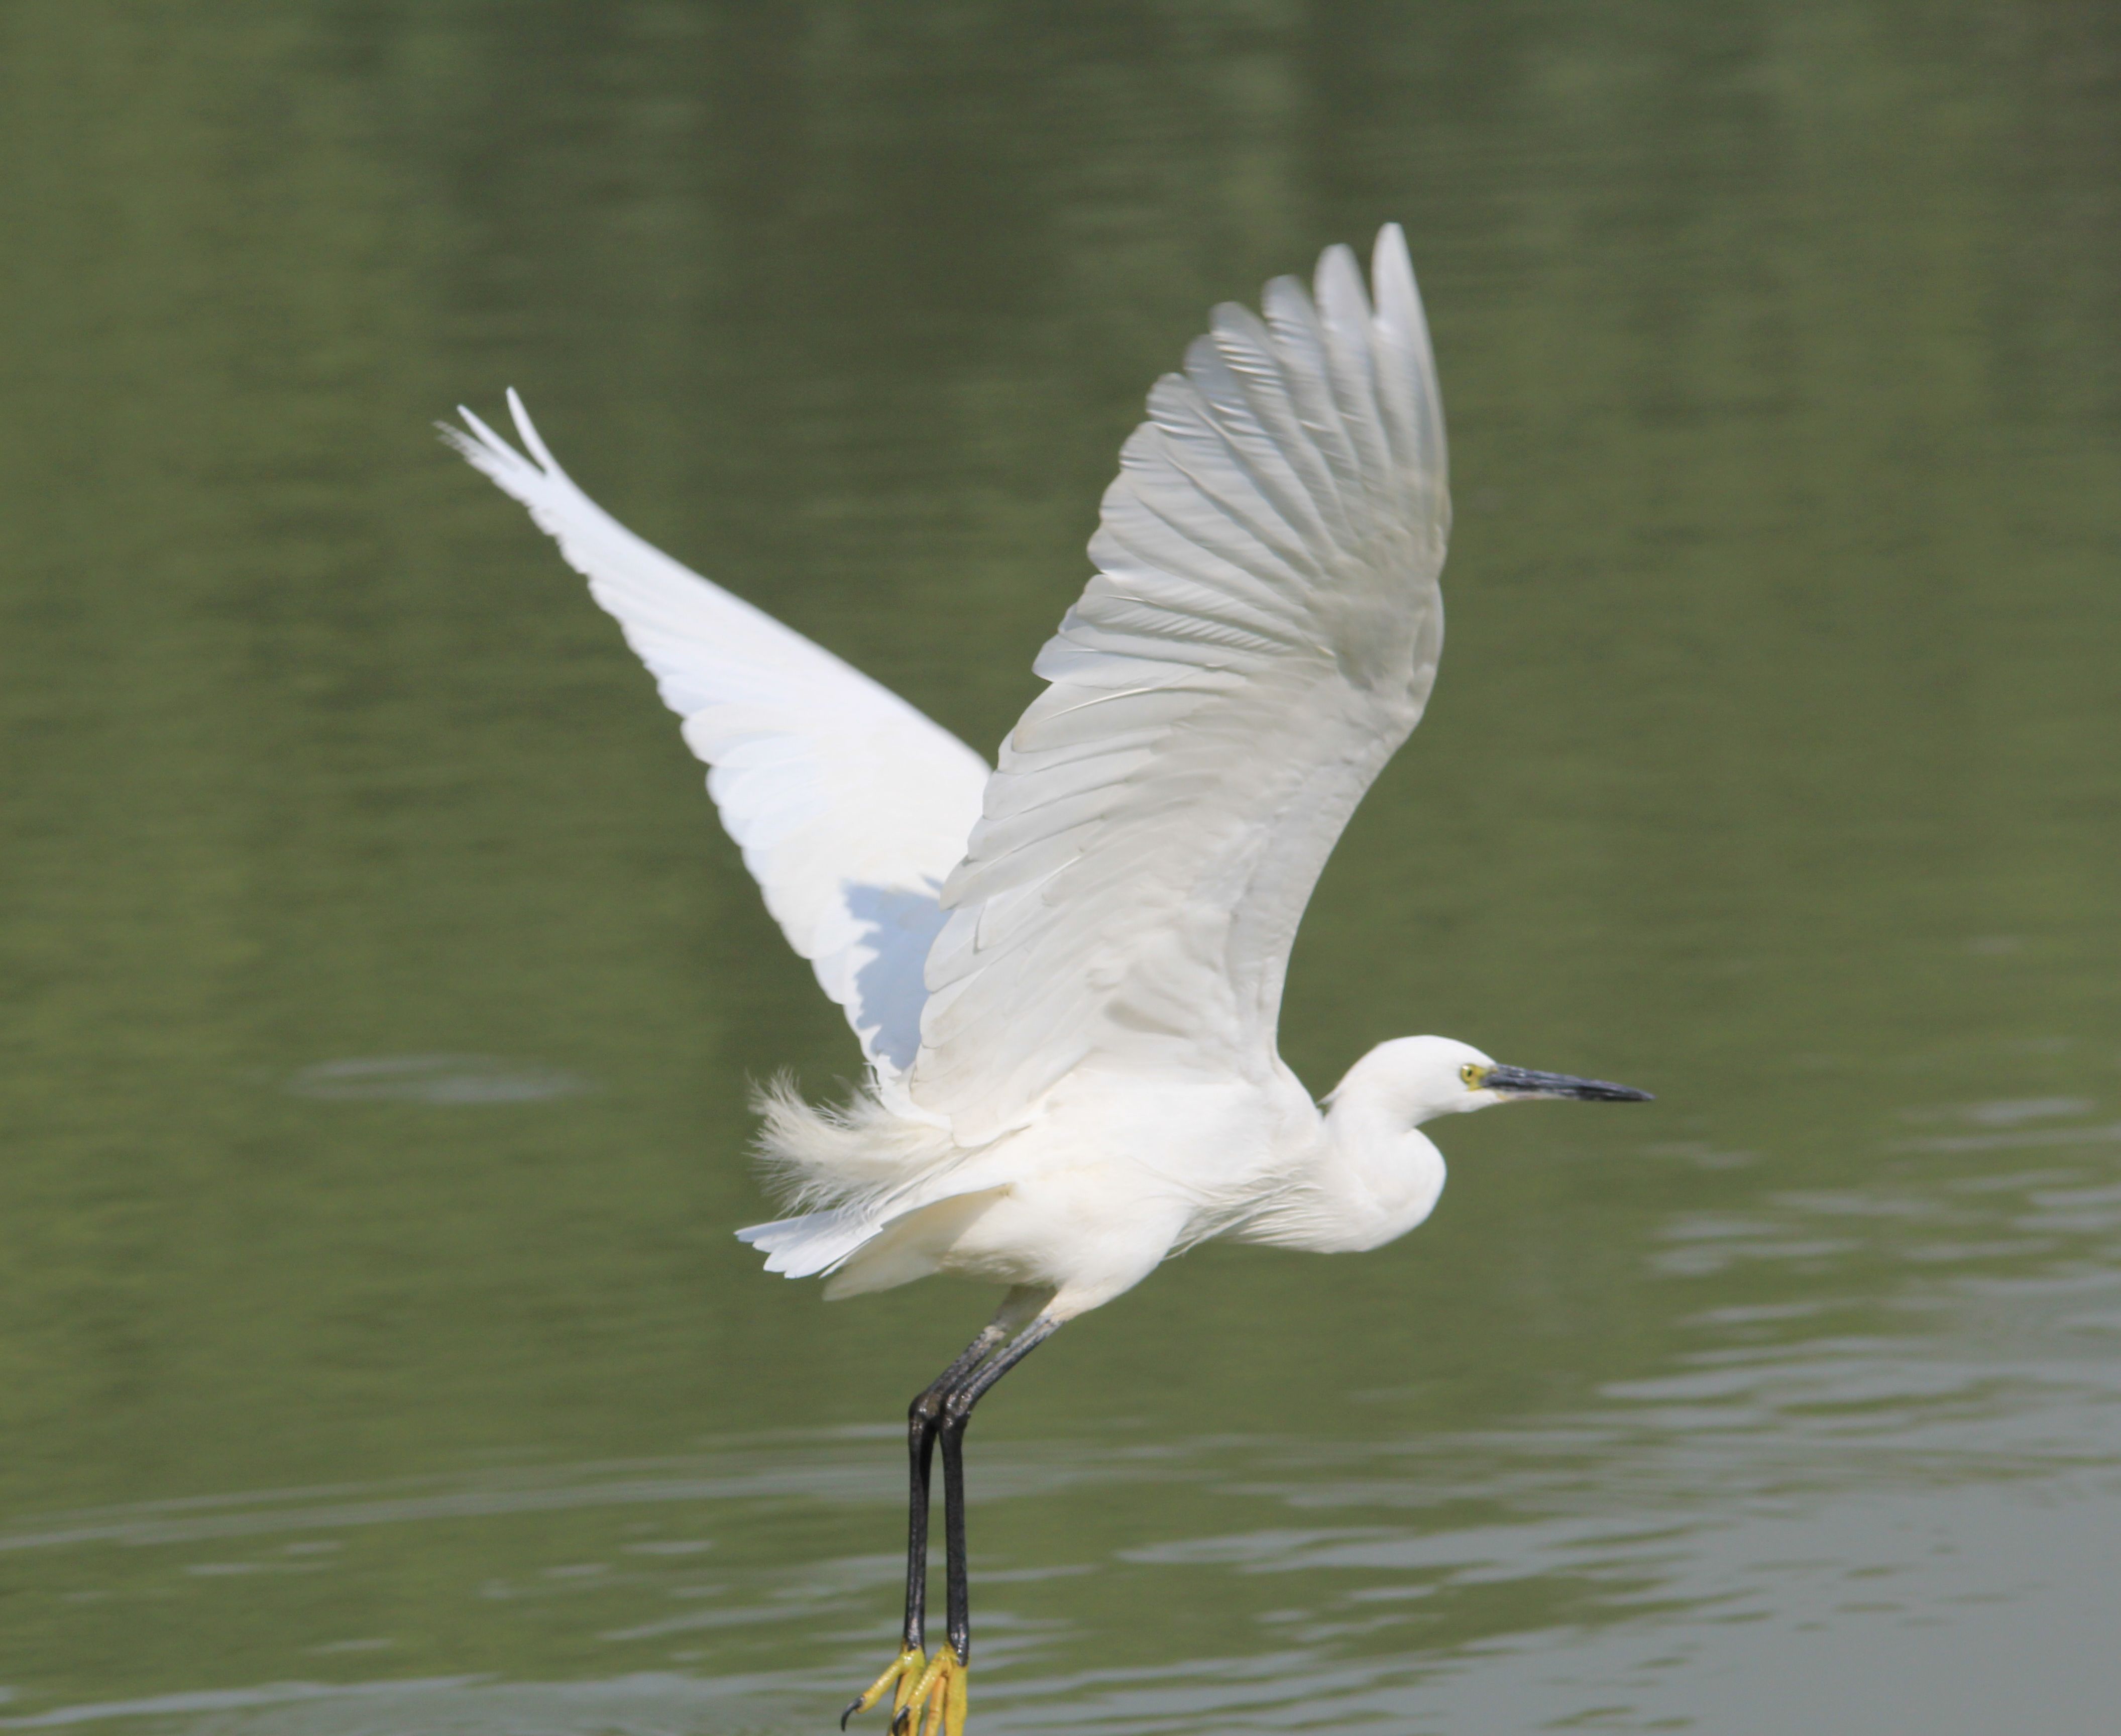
[[850, 805], [1261, 634]]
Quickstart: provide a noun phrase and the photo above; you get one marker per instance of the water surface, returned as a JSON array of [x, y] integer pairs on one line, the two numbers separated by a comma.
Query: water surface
[[382, 999]]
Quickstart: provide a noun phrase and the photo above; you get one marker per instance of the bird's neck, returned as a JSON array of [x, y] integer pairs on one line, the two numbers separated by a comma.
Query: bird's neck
[[1370, 1178]]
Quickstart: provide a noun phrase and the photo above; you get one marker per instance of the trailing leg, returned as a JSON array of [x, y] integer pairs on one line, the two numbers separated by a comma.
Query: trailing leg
[[957, 1413], [924, 1419], [937, 1700]]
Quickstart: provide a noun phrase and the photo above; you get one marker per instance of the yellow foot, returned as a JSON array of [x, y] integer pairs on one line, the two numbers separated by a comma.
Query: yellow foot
[[900, 1674], [936, 1703]]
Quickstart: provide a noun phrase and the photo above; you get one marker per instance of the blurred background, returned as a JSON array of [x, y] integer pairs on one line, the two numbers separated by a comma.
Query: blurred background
[[380, 997]]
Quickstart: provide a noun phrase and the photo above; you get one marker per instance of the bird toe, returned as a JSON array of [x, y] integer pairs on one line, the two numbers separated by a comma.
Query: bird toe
[[898, 1678], [935, 1703]]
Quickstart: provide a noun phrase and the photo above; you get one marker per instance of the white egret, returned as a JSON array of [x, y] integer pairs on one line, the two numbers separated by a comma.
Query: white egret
[[1065, 971]]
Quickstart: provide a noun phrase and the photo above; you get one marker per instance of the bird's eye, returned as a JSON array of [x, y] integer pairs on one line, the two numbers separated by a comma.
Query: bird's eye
[[1472, 1074]]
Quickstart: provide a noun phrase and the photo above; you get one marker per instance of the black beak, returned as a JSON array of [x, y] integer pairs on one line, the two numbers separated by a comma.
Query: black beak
[[1523, 1082]]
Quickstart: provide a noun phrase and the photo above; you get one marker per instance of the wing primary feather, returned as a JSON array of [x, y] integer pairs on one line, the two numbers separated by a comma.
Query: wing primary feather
[[1293, 319], [1348, 324]]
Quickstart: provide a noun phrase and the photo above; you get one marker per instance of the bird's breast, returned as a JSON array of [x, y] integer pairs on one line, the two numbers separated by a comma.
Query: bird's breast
[[1118, 1174]]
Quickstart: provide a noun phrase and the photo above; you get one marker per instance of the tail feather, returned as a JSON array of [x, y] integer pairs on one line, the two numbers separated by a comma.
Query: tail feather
[[818, 1242], [863, 1167]]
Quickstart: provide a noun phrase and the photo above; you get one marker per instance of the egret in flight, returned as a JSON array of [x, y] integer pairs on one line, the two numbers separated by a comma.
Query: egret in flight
[[1066, 969]]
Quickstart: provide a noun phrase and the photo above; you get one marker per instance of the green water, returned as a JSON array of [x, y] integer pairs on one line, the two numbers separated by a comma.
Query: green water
[[380, 997]]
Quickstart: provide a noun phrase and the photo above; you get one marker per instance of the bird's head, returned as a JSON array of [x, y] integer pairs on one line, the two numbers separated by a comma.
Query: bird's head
[[1418, 1079]]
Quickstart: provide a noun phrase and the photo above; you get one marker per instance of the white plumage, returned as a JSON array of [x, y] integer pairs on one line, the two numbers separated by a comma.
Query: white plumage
[[1066, 972], [850, 806]]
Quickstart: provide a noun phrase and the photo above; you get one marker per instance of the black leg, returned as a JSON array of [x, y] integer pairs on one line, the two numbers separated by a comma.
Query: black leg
[[957, 1412], [956, 1583], [922, 1417], [921, 1449], [940, 1410]]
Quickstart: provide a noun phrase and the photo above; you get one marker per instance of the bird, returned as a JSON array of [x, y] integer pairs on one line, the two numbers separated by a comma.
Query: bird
[[1065, 970]]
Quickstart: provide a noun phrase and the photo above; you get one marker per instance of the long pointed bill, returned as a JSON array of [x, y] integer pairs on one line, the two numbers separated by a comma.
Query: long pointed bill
[[1523, 1082]]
